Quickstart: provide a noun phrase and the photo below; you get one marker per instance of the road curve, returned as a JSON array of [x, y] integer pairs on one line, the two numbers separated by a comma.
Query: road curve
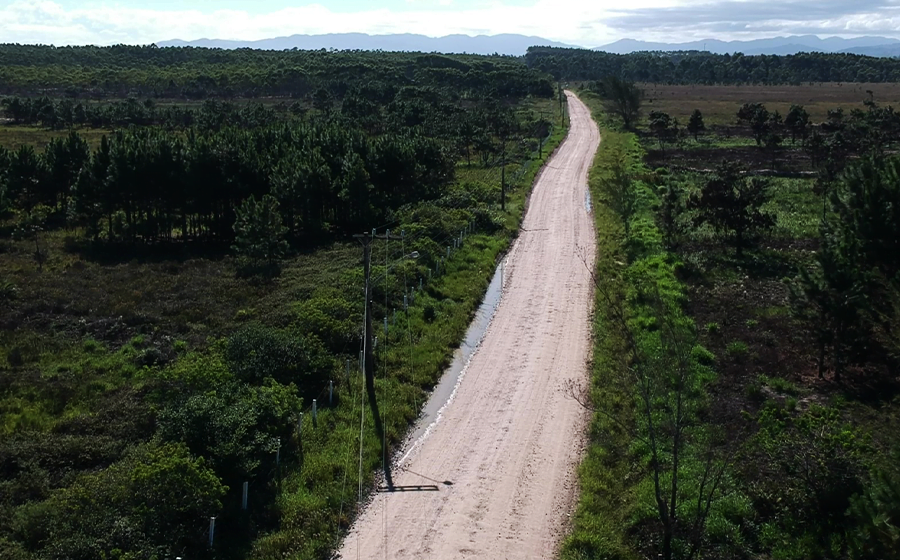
[[510, 441]]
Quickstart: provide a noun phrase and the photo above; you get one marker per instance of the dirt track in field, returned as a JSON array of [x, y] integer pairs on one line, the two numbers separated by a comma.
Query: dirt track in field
[[510, 440]]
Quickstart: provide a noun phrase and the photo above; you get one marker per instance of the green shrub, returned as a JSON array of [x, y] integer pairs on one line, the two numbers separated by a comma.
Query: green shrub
[[755, 392], [91, 346], [712, 328], [702, 356], [875, 513], [257, 352], [153, 501], [780, 385], [737, 350], [817, 463], [237, 427], [8, 290]]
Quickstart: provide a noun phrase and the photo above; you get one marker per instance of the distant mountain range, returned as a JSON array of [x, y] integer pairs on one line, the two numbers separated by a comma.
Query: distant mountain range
[[517, 45], [871, 46], [507, 44]]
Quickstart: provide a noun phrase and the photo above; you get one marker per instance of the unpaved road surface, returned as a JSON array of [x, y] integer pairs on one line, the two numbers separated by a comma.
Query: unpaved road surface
[[510, 440]]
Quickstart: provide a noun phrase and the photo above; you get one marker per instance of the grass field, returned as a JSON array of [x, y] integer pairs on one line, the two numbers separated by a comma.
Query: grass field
[[719, 104]]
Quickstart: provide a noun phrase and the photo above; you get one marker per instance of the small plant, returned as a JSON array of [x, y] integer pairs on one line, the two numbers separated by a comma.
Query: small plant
[[755, 392], [91, 346], [780, 385], [8, 290], [702, 356], [712, 328], [243, 315], [180, 346], [737, 350], [138, 341], [752, 323]]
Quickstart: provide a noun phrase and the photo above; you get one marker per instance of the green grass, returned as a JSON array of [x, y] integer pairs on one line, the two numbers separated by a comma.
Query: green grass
[[607, 500], [797, 208]]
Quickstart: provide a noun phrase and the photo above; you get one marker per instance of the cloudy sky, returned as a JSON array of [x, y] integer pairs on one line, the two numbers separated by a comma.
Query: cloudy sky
[[580, 22]]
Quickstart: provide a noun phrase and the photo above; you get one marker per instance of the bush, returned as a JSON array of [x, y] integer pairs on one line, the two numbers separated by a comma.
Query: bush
[[8, 290], [153, 501], [237, 427], [876, 515], [256, 353], [702, 356], [737, 350], [329, 317], [780, 385], [813, 464]]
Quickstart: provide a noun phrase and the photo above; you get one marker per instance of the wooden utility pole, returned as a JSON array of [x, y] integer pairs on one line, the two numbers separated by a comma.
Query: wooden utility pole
[[541, 139], [368, 350], [503, 175], [562, 116]]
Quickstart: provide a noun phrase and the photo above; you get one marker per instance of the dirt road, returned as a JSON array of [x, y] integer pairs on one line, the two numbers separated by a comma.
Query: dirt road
[[510, 440]]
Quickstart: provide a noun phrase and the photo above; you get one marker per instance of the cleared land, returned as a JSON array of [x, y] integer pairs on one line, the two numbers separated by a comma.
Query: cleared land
[[719, 104], [508, 442]]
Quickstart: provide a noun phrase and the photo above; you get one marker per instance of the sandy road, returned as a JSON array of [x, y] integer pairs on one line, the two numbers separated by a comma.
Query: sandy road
[[510, 440]]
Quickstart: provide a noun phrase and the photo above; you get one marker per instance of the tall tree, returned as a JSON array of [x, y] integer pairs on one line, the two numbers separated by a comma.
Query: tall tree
[[623, 98], [695, 124], [797, 122], [258, 230], [733, 205]]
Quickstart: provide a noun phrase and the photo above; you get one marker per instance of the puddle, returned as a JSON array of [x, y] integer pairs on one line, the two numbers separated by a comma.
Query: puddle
[[445, 390]]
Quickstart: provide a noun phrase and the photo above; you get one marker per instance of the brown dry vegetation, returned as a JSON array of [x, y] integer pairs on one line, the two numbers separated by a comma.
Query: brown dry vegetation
[[14, 136], [720, 103]]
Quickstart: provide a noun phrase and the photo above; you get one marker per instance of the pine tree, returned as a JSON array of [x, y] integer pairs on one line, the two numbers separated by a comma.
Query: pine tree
[[695, 125], [259, 232], [732, 205], [876, 512]]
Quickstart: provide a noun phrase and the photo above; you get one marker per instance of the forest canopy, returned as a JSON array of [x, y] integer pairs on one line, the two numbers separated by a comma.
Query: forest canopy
[[695, 67]]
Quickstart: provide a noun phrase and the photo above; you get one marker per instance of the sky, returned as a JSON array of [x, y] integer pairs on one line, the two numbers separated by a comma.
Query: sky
[[585, 23]]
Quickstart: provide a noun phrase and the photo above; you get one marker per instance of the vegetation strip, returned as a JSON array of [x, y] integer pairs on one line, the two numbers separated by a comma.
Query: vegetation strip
[[786, 453], [645, 465]]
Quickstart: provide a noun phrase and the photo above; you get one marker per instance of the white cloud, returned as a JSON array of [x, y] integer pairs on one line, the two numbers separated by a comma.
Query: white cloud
[[579, 22]]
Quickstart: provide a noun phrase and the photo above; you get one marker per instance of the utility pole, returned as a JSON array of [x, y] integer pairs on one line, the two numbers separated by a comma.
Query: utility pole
[[562, 119], [368, 350], [541, 139], [503, 177]]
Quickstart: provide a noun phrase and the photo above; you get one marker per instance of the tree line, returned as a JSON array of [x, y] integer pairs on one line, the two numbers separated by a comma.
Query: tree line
[[63, 113], [694, 67], [145, 184], [199, 73]]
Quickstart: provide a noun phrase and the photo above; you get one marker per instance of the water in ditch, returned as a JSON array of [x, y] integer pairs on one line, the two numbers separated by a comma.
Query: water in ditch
[[445, 390]]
